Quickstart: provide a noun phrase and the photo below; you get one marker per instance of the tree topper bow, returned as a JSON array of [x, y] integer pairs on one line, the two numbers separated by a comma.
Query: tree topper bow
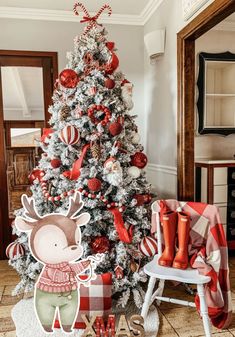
[[91, 20]]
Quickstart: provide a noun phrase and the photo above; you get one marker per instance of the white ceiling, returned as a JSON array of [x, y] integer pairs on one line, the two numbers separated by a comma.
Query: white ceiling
[[125, 12], [118, 6]]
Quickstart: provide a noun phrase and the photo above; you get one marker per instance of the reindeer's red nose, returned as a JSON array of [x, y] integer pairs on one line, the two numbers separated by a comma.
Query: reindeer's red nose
[[73, 247]]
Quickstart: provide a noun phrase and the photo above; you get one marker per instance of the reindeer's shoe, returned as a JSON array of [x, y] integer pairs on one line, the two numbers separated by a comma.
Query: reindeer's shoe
[[47, 328], [67, 328]]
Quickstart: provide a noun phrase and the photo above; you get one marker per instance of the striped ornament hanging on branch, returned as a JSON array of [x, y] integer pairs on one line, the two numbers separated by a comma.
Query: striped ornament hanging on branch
[[148, 246], [69, 135]]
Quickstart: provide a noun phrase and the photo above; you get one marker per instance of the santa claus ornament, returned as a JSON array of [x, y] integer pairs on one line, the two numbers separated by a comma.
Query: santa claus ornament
[[69, 135], [68, 78], [113, 172], [127, 89]]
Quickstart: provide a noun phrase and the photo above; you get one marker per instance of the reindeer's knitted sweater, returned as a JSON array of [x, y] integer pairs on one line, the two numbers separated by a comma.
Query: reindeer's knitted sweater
[[61, 277]]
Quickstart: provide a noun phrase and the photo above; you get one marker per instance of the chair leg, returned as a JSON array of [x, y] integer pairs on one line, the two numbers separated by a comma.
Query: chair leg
[[148, 296], [161, 289], [204, 310]]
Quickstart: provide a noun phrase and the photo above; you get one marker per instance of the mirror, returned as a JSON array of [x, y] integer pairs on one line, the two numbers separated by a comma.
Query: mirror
[[22, 90], [216, 93]]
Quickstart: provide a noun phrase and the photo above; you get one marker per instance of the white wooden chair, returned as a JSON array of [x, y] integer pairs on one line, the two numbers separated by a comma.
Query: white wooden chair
[[190, 276]]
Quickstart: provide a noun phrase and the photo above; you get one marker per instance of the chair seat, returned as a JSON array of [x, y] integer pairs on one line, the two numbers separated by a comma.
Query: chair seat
[[166, 273]]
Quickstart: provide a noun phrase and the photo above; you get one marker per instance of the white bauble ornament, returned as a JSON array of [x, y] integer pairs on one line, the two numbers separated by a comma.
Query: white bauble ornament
[[135, 138], [134, 172]]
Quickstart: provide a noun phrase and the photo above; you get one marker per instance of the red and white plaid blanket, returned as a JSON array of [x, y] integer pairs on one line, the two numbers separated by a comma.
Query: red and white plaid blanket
[[208, 253], [95, 300]]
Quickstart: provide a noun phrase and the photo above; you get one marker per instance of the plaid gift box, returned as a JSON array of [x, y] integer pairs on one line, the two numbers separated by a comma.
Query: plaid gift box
[[94, 300]]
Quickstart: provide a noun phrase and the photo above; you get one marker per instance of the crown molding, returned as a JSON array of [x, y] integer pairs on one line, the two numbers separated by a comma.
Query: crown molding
[[68, 16], [226, 26], [149, 9]]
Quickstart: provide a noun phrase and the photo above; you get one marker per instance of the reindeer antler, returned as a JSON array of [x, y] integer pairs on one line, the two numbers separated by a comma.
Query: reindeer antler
[[75, 204], [29, 208]]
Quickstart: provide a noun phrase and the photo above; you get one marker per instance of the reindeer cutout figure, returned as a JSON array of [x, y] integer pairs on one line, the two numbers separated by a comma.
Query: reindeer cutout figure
[[55, 241]]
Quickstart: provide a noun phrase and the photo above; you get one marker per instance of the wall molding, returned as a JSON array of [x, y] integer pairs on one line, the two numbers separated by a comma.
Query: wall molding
[[172, 170], [68, 16]]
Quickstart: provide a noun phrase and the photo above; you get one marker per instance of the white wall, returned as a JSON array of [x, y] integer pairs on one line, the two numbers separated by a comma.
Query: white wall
[[58, 36], [161, 100], [214, 146]]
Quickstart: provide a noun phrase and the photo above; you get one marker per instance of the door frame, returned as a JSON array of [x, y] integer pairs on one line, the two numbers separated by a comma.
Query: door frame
[[49, 63], [207, 19]]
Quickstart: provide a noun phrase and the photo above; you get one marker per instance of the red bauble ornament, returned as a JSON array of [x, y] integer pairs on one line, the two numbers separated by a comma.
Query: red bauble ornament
[[142, 199], [113, 64], [15, 249], [69, 135], [55, 163], [139, 160], [36, 174], [119, 272], [148, 246], [109, 83], [100, 244], [115, 128], [94, 184], [68, 78], [110, 45]]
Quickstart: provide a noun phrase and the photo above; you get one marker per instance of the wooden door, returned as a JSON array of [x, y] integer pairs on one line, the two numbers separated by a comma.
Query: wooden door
[[15, 163]]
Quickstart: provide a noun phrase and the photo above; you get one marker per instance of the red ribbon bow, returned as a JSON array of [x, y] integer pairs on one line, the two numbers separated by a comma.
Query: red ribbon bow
[[92, 20]]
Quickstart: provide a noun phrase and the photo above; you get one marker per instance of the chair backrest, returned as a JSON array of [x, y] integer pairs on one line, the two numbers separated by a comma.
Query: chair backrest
[[156, 219]]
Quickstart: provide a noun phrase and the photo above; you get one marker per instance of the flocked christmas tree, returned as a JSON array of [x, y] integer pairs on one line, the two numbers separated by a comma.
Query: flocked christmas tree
[[93, 146]]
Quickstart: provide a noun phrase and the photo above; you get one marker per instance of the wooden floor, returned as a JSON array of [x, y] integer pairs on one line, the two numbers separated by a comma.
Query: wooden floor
[[175, 320]]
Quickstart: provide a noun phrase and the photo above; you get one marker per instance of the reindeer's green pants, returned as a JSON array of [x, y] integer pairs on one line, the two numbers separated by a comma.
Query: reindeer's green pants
[[46, 304]]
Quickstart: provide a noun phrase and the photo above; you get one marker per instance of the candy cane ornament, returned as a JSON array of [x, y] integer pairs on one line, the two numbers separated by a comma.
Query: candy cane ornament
[[91, 20]]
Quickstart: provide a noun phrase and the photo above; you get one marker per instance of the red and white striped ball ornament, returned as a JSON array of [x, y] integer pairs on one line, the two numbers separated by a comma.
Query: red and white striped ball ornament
[[69, 135], [148, 246], [15, 249]]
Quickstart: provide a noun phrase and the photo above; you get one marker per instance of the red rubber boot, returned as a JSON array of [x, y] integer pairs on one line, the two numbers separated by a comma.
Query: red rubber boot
[[181, 258], [169, 223]]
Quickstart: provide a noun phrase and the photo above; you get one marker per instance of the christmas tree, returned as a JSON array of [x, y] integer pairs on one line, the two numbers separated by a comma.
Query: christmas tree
[[93, 147]]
